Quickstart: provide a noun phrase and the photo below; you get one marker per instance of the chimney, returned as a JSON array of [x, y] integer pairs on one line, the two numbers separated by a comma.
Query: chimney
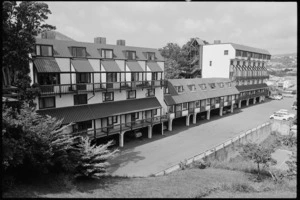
[[100, 40], [217, 41], [121, 42], [48, 35]]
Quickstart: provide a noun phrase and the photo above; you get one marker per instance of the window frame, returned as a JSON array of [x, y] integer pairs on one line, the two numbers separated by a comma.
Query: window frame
[[210, 63], [204, 86], [226, 52], [104, 96], [128, 94], [212, 86], [41, 77], [150, 53], [104, 55], [128, 53], [182, 107], [41, 52], [148, 92], [43, 99], [76, 49]]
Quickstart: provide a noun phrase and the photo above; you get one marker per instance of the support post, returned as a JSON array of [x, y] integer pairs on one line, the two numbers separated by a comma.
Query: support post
[[247, 102], [194, 118], [187, 120], [162, 128], [149, 131], [208, 115], [240, 103], [221, 111], [121, 139], [170, 124], [254, 101], [231, 109]]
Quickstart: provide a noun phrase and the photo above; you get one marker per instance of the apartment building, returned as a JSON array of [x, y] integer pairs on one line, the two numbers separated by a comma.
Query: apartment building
[[245, 66], [103, 89], [188, 97]]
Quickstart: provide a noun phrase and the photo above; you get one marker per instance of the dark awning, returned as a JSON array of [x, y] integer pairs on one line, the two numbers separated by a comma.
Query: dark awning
[[134, 66], [46, 65], [110, 66], [154, 67], [242, 88], [101, 110], [82, 65]]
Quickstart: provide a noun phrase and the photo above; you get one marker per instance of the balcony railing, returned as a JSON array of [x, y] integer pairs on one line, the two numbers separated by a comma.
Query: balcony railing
[[113, 129], [249, 96], [96, 87]]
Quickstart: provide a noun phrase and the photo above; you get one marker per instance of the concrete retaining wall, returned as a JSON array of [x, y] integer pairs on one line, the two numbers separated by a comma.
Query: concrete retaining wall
[[283, 127], [227, 149]]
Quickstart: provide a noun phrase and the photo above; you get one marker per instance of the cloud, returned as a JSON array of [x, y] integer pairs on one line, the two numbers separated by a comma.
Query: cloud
[[73, 32], [237, 32], [104, 11], [194, 25], [154, 28], [81, 13], [146, 6], [226, 20], [124, 25]]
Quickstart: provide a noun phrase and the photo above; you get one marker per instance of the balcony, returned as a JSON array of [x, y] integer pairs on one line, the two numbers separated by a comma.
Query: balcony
[[98, 87], [115, 129]]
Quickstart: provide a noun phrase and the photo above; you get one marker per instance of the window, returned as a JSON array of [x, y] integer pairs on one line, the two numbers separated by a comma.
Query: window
[[228, 84], [48, 78], [79, 52], [47, 102], [184, 106], [231, 62], [192, 87], [83, 78], [197, 104], [135, 115], [166, 90], [179, 88], [210, 63], [134, 76], [154, 76], [131, 94], [81, 126], [154, 112], [80, 99], [108, 96], [44, 50], [171, 109], [131, 55], [111, 77], [221, 85], [244, 54], [238, 63], [229, 98], [150, 56], [212, 85], [217, 100], [225, 98], [107, 53], [178, 107], [202, 102], [212, 101], [238, 53], [208, 102], [112, 120], [202, 86], [225, 52], [151, 92]]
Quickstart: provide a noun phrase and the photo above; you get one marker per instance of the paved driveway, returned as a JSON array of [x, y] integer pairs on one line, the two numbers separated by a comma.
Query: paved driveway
[[149, 156]]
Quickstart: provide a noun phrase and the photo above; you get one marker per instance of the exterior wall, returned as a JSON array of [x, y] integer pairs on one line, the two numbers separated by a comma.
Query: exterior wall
[[121, 64], [128, 75], [64, 64], [220, 62], [143, 64], [65, 78], [162, 66], [159, 93], [96, 67], [148, 75]]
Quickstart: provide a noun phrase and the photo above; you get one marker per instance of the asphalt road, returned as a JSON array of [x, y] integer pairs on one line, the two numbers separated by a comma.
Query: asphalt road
[[149, 156]]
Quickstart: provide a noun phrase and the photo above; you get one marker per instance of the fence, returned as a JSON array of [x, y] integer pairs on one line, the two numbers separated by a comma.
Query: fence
[[227, 149]]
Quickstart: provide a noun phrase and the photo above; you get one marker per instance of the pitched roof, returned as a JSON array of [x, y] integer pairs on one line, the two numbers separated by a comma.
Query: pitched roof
[[154, 67], [134, 66], [187, 95], [82, 65], [242, 88], [96, 111], [250, 49], [110, 66], [45, 65], [61, 49]]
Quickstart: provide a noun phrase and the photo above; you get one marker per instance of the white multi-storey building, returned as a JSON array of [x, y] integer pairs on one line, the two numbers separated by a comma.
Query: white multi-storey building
[[103, 89]]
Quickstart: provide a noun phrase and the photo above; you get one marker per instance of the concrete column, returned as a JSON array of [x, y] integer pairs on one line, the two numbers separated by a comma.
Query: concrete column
[[121, 139], [149, 131], [247, 102], [221, 111], [187, 120], [170, 124], [208, 115], [240, 103], [162, 128], [231, 109], [254, 101], [194, 118]]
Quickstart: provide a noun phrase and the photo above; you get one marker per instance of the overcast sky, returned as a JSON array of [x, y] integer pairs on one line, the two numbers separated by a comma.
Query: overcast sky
[[267, 25]]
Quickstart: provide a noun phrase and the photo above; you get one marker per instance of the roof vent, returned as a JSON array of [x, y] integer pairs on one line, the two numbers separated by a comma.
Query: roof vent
[[217, 41], [100, 40], [121, 42], [48, 35]]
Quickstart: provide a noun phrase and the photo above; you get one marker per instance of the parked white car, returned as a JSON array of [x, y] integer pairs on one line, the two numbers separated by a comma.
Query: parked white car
[[288, 95], [278, 97], [281, 116]]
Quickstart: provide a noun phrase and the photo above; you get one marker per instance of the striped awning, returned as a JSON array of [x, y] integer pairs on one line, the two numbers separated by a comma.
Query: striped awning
[[96, 111], [154, 67], [134, 66], [82, 65], [110, 66], [46, 65]]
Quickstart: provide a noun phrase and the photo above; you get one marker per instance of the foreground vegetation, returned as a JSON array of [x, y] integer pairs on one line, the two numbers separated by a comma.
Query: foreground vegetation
[[236, 178]]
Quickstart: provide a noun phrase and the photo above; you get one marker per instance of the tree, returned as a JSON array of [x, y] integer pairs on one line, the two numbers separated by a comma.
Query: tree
[[258, 154], [21, 22]]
